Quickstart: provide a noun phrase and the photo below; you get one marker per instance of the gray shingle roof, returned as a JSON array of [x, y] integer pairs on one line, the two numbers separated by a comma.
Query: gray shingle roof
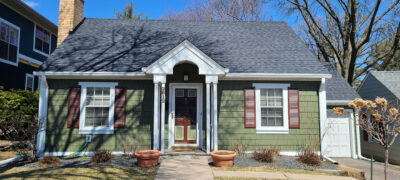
[[114, 45], [337, 87], [390, 79]]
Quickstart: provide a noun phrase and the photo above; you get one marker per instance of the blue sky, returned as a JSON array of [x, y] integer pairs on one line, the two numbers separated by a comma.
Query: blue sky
[[106, 8]]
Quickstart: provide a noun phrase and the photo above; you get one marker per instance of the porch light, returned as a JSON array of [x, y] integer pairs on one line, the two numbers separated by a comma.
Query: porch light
[[185, 77]]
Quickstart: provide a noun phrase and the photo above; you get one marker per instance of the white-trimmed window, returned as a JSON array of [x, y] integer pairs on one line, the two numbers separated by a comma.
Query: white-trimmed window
[[42, 41], [29, 82], [272, 108], [97, 108], [9, 42]]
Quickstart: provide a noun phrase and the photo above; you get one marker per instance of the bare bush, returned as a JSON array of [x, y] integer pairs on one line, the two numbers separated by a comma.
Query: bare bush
[[264, 155], [101, 156], [49, 161], [309, 157], [130, 148], [239, 148]]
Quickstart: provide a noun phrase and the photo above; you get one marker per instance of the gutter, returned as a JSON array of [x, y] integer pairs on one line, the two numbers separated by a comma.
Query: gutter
[[330, 160], [92, 75], [358, 140]]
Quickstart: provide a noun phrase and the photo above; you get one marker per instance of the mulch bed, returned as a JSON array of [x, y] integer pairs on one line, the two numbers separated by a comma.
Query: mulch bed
[[286, 162], [78, 162]]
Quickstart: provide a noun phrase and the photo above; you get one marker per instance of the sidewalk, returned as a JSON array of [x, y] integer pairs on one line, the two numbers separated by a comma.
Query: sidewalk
[[185, 167], [277, 175]]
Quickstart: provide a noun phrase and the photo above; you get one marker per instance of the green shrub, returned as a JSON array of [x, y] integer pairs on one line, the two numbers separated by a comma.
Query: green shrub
[[18, 112]]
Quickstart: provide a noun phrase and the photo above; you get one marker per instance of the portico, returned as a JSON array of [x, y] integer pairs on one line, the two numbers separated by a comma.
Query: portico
[[185, 109]]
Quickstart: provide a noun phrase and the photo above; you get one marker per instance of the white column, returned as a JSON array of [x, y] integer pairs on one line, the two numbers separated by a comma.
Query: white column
[[162, 115], [322, 115], [211, 118], [156, 117], [352, 135], [43, 100], [208, 116], [215, 117]]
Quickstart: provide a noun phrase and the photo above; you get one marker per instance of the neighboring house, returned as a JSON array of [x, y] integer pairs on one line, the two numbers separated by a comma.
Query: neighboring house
[[381, 84], [176, 84], [26, 40]]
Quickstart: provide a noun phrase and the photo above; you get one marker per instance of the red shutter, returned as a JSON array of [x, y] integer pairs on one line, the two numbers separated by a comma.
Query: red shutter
[[294, 108], [74, 102], [120, 108], [249, 108]]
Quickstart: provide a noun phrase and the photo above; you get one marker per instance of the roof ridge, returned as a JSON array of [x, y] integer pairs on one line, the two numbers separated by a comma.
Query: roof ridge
[[179, 20]]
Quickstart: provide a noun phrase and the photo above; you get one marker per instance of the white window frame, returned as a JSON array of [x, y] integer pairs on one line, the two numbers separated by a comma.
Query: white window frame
[[34, 43], [18, 43], [27, 75], [99, 129], [272, 129]]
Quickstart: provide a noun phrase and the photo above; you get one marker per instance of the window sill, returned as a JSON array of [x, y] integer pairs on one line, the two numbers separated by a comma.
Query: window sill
[[9, 62], [96, 131], [272, 132], [40, 52]]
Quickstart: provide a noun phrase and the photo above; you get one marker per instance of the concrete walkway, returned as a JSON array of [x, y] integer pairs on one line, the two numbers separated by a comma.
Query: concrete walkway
[[392, 172], [184, 167], [277, 175]]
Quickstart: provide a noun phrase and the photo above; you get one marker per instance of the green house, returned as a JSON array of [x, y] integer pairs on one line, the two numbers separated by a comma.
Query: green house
[[171, 85]]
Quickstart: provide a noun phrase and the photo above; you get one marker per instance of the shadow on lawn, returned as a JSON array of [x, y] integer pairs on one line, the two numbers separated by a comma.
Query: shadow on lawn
[[72, 173]]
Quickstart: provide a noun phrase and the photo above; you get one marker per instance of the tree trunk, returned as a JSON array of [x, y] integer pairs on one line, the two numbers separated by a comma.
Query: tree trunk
[[386, 160]]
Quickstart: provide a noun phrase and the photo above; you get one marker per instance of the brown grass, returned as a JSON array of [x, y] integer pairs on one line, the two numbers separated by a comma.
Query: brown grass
[[353, 172], [79, 173], [309, 157], [7, 155], [101, 156], [49, 161]]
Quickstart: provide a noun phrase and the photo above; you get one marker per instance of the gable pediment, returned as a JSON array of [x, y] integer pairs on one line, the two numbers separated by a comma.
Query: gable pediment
[[185, 52]]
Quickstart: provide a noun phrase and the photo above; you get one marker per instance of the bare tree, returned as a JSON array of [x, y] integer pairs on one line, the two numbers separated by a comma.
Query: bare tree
[[380, 119], [344, 32], [228, 10]]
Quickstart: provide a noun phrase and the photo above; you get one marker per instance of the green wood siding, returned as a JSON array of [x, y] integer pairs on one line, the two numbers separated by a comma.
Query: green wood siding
[[139, 119], [231, 118]]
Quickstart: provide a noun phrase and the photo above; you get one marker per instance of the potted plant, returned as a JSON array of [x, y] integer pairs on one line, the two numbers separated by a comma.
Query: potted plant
[[223, 158], [147, 158]]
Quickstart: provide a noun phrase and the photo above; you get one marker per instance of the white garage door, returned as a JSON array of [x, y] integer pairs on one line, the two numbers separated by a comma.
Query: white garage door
[[338, 135]]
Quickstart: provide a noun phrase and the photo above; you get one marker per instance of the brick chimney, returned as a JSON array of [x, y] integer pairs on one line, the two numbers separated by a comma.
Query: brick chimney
[[71, 14]]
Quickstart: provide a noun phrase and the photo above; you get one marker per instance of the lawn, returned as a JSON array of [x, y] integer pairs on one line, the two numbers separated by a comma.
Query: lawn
[[79, 173], [240, 178], [7, 154]]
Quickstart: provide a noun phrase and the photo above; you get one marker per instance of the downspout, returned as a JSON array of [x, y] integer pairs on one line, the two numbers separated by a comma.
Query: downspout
[[358, 139]]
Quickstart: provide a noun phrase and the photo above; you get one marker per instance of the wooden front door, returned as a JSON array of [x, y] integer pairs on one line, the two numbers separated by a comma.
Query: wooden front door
[[185, 116]]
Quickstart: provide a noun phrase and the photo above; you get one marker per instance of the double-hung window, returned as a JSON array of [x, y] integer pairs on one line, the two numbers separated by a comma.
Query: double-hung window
[[97, 108], [42, 41], [272, 108], [29, 82], [9, 42]]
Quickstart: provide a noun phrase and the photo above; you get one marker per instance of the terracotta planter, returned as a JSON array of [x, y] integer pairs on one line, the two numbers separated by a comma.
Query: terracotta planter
[[223, 158], [147, 158]]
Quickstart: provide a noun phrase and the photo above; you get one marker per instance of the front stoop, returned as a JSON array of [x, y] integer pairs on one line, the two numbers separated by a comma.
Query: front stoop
[[196, 152]]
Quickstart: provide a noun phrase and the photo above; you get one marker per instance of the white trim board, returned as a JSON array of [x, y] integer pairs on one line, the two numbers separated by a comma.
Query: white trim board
[[94, 75], [171, 122], [30, 59], [338, 102], [275, 76]]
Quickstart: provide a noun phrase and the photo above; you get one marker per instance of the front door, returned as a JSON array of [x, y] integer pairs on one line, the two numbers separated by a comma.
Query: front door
[[185, 116]]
